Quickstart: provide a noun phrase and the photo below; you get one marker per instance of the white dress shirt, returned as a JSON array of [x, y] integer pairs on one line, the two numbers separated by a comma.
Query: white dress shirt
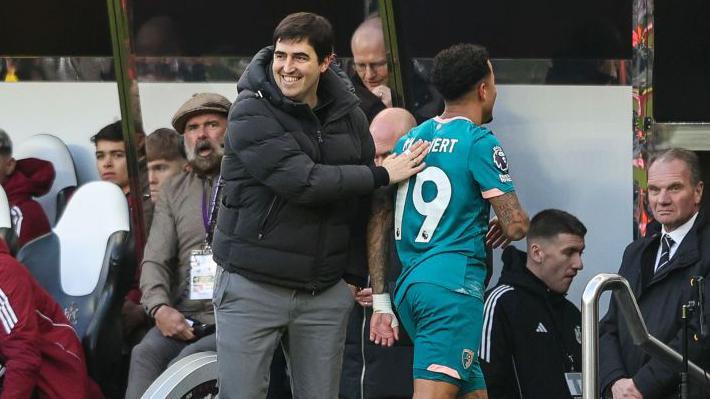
[[677, 236]]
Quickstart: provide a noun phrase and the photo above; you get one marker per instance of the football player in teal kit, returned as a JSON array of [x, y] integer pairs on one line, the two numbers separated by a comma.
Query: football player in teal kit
[[441, 227]]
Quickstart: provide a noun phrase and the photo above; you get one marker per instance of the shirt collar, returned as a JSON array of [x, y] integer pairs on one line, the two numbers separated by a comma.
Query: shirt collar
[[679, 234], [441, 119]]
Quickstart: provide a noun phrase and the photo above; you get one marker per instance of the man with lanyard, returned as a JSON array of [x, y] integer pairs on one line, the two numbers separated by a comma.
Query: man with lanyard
[[441, 224], [177, 274], [532, 337]]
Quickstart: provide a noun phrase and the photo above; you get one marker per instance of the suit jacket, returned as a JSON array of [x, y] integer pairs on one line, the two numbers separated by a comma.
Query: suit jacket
[[660, 297]]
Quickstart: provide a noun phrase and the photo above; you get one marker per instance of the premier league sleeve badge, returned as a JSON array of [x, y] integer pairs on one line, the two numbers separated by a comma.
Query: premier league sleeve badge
[[499, 159], [501, 162]]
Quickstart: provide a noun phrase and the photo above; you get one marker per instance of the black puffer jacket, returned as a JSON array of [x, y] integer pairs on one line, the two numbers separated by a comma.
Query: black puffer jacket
[[296, 181], [531, 336]]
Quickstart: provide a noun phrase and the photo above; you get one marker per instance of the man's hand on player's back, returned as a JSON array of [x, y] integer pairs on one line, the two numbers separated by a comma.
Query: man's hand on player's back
[[407, 164]]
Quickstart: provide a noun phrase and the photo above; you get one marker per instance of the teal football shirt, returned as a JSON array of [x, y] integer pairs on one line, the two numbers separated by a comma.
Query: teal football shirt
[[441, 214]]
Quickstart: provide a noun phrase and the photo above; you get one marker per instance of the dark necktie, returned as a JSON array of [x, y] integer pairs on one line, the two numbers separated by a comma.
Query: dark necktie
[[666, 244]]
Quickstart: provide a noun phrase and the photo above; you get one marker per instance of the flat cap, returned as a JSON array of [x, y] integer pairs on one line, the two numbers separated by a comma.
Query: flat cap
[[200, 103]]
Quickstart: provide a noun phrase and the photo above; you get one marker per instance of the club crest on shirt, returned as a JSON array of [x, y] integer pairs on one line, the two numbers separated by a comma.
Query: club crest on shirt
[[578, 334], [467, 357], [71, 312], [499, 159]]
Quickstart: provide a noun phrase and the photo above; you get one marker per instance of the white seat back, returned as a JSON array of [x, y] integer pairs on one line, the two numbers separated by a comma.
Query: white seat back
[[50, 148], [5, 221], [95, 211]]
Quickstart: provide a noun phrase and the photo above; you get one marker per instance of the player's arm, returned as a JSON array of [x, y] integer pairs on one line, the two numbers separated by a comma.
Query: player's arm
[[511, 222], [488, 165], [384, 328], [377, 227]]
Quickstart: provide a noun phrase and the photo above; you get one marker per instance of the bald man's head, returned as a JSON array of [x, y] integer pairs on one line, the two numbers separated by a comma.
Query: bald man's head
[[387, 127], [369, 54]]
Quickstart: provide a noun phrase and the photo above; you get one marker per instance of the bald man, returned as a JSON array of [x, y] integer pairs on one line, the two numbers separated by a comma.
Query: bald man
[[387, 127], [387, 372], [371, 74]]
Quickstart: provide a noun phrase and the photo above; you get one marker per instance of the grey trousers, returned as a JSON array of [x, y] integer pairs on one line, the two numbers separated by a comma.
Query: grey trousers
[[252, 318], [153, 354]]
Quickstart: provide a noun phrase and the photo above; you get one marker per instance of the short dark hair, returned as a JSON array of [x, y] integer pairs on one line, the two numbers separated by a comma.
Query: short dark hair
[[164, 144], [689, 157], [551, 222], [458, 69], [5, 144], [312, 27], [112, 132]]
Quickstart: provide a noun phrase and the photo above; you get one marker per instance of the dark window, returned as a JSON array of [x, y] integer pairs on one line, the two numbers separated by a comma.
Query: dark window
[[229, 27], [599, 29], [581, 38], [50, 27], [162, 27], [681, 73]]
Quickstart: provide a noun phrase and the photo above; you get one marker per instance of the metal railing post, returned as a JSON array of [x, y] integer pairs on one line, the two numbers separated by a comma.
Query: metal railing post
[[629, 311]]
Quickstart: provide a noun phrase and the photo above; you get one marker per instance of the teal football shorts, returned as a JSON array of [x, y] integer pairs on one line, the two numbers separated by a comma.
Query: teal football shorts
[[445, 327]]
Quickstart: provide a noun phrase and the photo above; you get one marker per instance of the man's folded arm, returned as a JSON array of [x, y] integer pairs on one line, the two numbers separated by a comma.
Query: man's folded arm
[[275, 158]]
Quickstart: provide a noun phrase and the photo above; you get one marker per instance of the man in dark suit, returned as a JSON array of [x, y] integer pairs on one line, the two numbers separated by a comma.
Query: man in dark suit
[[659, 268]]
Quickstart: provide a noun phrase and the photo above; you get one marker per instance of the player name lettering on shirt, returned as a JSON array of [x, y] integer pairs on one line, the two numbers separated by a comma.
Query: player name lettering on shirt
[[439, 144]]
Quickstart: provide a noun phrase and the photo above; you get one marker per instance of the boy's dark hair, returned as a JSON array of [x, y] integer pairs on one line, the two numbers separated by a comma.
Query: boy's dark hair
[[551, 222], [5, 144], [112, 132], [311, 27], [458, 69], [164, 144]]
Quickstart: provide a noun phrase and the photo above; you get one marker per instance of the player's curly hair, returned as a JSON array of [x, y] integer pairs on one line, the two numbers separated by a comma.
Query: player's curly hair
[[458, 69]]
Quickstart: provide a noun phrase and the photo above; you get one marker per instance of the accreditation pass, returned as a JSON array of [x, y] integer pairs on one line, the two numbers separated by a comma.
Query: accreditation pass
[[202, 272]]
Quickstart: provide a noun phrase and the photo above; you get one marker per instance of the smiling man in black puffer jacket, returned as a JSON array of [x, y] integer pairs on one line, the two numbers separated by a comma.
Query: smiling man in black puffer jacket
[[297, 170]]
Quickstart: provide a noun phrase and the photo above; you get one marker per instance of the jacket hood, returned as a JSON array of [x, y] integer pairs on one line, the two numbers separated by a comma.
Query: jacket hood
[[334, 86], [32, 178], [516, 273]]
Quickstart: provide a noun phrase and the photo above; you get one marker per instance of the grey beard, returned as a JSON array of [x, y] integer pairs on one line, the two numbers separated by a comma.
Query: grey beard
[[206, 165]]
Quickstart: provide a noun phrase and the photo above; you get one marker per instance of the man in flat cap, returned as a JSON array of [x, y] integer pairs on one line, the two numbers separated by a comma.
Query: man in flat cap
[[174, 292]]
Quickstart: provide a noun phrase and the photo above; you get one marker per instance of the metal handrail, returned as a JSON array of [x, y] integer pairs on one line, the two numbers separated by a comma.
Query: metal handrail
[[629, 311]]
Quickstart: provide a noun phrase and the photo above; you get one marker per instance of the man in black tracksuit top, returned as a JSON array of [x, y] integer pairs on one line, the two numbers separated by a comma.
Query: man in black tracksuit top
[[297, 168], [532, 339]]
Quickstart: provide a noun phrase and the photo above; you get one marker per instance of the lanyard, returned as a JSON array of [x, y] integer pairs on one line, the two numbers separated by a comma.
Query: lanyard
[[209, 212], [563, 342]]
